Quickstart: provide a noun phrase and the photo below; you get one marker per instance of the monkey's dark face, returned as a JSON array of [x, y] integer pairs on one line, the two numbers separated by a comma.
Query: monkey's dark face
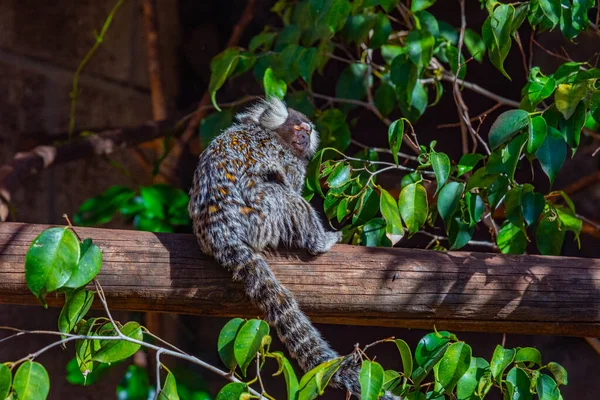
[[298, 133]]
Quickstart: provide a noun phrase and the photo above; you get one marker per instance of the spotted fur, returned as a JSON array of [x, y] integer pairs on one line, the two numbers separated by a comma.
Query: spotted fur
[[246, 196]]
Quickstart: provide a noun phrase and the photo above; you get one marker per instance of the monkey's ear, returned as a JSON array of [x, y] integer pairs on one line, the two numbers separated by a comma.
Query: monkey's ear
[[270, 113], [275, 113]]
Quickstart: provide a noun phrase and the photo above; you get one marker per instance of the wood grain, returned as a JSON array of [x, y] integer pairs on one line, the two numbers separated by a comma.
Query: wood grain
[[410, 288]]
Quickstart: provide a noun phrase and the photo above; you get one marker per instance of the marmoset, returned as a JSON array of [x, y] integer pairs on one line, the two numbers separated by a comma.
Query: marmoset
[[246, 196]]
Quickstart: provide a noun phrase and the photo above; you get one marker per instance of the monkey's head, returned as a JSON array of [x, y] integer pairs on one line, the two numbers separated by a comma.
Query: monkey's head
[[295, 130]]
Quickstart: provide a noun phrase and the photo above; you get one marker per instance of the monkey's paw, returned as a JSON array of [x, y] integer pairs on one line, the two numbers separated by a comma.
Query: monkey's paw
[[325, 243]]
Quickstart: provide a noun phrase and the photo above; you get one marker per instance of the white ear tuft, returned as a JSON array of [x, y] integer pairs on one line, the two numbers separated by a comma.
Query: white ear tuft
[[270, 113]]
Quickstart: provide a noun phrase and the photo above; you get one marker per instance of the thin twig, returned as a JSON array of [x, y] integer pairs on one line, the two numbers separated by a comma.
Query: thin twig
[[75, 90], [158, 366], [481, 243], [383, 150], [448, 77], [473, 119]]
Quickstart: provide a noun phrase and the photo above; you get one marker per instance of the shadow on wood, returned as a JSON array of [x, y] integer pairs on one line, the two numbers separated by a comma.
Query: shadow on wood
[[408, 288]]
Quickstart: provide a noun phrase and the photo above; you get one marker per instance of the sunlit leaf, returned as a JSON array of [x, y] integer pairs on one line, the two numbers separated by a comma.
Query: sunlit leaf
[[413, 206], [169, 389], [274, 87], [225, 343], [371, 380], [51, 260], [90, 263], [232, 391], [559, 372], [501, 359], [290, 376], [109, 351], [248, 342], [5, 381], [441, 166], [468, 384], [76, 306], [389, 210], [313, 383], [506, 125], [31, 381]]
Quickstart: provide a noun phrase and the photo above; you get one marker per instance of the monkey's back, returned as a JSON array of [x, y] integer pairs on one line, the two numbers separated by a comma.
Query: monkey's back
[[224, 200]]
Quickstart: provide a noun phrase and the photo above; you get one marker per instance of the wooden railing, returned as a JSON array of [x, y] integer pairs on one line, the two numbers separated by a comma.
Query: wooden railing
[[410, 288]]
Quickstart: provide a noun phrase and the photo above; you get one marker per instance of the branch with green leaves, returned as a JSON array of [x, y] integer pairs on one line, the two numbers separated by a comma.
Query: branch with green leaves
[[58, 261], [395, 59]]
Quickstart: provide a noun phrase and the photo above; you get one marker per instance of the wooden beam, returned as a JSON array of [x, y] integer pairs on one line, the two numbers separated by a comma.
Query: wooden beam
[[409, 288]]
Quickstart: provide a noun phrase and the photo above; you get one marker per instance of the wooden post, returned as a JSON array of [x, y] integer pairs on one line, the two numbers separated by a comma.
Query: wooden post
[[410, 288]]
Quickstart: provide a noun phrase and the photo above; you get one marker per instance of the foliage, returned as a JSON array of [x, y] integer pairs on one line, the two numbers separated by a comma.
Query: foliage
[[155, 208], [244, 348], [396, 59]]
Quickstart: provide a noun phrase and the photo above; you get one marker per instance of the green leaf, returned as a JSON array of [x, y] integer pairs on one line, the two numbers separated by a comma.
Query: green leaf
[[391, 214], [532, 204], [5, 381], [418, 5], [290, 376], [226, 341], [90, 263], [572, 127], [497, 190], [552, 154], [529, 355], [406, 355], [538, 129], [366, 207], [50, 261], [551, 9], [371, 380], [169, 389], [76, 307], [500, 360], [395, 134], [452, 53], [109, 351], [496, 32], [263, 40], [539, 87], [407, 179], [559, 372], [352, 83], [429, 351], [221, 66], [385, 99], [518, 383], [248, 342], [453, 365], [213, 125], [449, 200], [274, 87], [381, 31], [425, 20], [31, 381], [475, 207], [101, 209], [467, 162], [468, 384], [474, 44], [459, 233], [595, 106], [568, 96], [548, 235], [373, 232], [413, 206], [420, 47], [547, 389], [441, 166], [232, 391], [391, 380], [339, 176], [84, 348], [506, 125], [314, 382], [389, 5]]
